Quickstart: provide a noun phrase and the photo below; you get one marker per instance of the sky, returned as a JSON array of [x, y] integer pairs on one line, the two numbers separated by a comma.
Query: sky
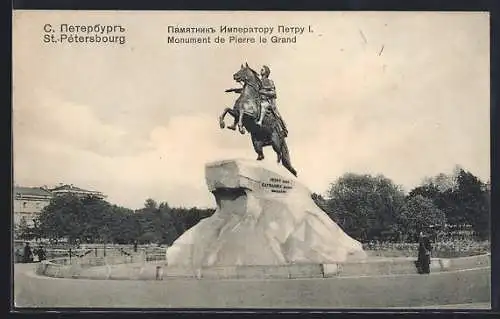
[[403, 94]]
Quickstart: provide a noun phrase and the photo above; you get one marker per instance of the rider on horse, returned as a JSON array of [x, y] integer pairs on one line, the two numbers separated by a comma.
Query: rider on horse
[[268, 96], [256, 97], [268, 100]]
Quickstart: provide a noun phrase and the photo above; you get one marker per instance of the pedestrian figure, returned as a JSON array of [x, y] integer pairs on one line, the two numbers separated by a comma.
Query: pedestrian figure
[[19, 256], [40, 252], [424, 254], [28, 254]]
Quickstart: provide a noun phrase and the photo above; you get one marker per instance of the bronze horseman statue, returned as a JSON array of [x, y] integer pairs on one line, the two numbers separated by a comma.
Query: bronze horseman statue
[[255, 111]]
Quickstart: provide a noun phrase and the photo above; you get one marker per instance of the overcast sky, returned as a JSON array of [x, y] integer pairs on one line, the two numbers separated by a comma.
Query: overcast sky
[[404, 94]]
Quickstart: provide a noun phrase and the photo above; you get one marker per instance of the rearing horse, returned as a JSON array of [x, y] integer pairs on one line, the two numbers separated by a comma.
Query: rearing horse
[[246, 111]]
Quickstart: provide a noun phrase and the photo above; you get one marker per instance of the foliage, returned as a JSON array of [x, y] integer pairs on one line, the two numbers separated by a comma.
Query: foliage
[[420, 214], [472, 203], [467, 201], [440, 249], [374, 208], [320, 201], [365, 206], [24, 231], [90, 219]]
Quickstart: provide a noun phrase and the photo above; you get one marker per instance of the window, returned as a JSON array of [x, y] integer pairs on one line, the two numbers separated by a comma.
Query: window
[[24, 204]]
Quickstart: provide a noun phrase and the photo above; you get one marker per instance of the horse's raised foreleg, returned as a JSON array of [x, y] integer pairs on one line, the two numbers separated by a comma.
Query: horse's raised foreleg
[[257, 146], [231, 112], [234, 114], [222, 116]]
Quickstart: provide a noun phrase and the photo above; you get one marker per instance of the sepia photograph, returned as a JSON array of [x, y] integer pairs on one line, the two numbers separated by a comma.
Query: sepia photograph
[[251, 160]]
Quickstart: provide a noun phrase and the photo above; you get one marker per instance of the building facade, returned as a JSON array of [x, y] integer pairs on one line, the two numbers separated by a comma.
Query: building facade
[[29, 201], [63, 189]]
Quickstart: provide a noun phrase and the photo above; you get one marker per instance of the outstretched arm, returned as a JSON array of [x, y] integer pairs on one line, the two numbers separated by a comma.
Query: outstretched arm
[[238, 90]]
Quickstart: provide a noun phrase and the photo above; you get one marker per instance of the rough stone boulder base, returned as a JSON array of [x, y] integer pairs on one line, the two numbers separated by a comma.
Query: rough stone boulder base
[[264, 216]]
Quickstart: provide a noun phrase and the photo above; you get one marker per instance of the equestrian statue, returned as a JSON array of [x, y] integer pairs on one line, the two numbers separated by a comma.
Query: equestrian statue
[[255, 111]]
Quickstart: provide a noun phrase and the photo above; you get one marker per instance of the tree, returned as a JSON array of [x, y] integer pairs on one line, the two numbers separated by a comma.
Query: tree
[[94, 219], [473, 199], [60, 218], [150, 204], [124, 228], [168, 231], [462, 197], [24, 231], [75, 218], [365, 206], [91, 219], [16, 231], [319, 200], [482, 222], [442, 197], [428, 190], [148, 237], [420, 214], [37, 234], [444, 181]]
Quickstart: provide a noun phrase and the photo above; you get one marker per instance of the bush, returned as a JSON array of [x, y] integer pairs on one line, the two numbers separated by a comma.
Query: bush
[[445, 249]]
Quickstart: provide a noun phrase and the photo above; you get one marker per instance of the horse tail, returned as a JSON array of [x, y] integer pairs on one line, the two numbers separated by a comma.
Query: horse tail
[[285, 158]]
